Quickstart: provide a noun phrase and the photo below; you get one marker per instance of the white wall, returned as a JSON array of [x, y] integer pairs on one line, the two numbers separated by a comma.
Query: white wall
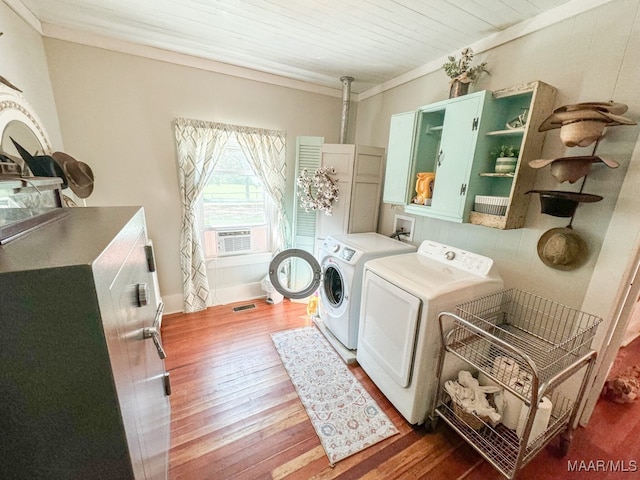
[[23, 63], [590, 57], [116, 112]]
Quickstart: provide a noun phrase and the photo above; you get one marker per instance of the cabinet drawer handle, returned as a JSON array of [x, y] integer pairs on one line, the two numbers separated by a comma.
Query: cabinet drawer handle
[[153, 332], [142, 294]]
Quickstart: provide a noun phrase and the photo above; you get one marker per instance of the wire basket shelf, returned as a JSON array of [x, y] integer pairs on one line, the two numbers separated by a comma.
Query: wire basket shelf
[[528, 345], [497, 443], [548, 336]]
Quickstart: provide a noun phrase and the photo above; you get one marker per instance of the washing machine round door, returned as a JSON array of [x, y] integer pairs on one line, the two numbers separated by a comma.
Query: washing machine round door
[[334, 287], [295, 273]]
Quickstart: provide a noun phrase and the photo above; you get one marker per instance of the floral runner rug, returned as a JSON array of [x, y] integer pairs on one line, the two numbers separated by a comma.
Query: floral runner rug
[[344, 415]]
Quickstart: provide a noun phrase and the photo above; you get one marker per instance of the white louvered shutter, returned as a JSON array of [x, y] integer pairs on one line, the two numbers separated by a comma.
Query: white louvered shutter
[[304, 223]]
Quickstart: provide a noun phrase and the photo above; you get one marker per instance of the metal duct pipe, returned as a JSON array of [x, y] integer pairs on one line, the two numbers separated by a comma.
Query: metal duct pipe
[[346, 100]]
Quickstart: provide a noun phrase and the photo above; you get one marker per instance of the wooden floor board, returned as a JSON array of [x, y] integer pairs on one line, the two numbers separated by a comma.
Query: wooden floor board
[[236, 415]]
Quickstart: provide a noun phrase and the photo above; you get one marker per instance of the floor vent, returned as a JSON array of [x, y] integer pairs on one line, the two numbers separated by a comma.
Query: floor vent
[[248, 306]]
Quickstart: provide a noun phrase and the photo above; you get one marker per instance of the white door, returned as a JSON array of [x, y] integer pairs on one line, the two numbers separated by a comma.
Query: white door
[[388, 326], [358, 175], [366, 190], [341, 158]]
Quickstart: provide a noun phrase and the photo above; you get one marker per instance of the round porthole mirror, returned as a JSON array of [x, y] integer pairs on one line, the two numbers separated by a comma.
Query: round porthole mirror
[[295, 273]]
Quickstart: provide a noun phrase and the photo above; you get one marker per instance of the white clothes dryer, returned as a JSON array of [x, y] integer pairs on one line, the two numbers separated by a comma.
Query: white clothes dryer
[[399, 334], [337, 277]]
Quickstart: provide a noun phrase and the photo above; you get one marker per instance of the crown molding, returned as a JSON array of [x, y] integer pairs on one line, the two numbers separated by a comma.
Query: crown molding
[[107, 43], [23, 12]]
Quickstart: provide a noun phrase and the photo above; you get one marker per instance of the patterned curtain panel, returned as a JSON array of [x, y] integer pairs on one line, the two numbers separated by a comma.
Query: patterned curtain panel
[[266, 151], [199, 146]]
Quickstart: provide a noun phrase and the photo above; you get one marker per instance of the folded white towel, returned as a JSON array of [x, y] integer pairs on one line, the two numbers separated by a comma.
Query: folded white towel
[[468, 393]]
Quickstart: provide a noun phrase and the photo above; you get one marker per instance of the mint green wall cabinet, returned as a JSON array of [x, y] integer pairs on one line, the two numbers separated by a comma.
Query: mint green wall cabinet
[[454, 138], [459, 140], [445, 138]]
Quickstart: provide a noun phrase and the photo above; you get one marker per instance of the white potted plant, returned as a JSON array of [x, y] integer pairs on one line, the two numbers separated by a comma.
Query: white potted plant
[[462, 73], [506, 158]]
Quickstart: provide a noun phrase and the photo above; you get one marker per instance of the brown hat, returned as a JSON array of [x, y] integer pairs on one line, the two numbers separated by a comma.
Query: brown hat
[[581, 124], [78, 174], [562, 249], [610, 107], [572, 168]]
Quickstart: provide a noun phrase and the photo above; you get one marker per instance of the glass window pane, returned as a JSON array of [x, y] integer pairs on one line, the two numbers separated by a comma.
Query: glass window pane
[[234, 195]]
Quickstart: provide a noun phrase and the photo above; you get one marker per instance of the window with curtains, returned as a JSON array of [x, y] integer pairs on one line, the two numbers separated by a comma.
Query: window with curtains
[[235, 211], [200, 146]]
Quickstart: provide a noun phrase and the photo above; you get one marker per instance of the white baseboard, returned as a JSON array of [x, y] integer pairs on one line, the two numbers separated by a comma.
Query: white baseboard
[[220, 296], [239, 293], [173, 303]]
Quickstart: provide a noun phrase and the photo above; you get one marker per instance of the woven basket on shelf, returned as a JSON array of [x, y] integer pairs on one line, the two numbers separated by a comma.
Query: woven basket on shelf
[[470, 419]]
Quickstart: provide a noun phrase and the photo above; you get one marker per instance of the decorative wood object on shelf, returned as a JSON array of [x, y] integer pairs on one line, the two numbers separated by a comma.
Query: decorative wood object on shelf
[[461, 73], [458, 89]]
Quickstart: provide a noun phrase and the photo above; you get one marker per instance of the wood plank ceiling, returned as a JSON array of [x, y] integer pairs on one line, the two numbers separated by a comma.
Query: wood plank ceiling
[[316, 41]]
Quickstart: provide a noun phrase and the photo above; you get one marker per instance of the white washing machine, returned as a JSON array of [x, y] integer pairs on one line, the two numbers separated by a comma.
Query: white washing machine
[[399, 334], [337, 277], [342, 260]]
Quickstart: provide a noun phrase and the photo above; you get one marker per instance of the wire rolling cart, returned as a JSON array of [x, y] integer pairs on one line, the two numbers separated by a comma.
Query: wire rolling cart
[[548, 341]]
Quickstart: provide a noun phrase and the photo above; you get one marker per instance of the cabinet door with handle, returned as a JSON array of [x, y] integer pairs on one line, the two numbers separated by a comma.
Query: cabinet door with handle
[[138, 314], [457, 145], [399, 156], [131, 316]]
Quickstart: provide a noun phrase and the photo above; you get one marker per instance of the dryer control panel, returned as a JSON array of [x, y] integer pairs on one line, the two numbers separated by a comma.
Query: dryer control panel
[[347, 253], [456, 257], [332, 247]]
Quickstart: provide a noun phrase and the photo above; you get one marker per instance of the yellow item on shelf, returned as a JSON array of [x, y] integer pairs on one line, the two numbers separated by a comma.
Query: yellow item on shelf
[[424, 187], [312, 306]]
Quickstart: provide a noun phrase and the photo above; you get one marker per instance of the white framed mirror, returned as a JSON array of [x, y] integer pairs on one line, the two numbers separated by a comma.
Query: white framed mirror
[[17, 188], [20, 122]]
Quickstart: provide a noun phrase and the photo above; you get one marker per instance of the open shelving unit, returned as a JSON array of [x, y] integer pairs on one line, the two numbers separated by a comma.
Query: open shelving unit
[[538, 99]]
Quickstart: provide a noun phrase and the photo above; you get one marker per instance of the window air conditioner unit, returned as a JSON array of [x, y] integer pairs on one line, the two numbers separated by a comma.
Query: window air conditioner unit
[[235, 241], [239, 241]]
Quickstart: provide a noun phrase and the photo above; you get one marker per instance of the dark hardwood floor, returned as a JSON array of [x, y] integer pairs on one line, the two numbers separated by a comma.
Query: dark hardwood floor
[[236, 415]]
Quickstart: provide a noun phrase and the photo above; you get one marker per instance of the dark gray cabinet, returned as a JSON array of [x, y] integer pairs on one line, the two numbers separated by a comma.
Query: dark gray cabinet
[[84, 393]]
